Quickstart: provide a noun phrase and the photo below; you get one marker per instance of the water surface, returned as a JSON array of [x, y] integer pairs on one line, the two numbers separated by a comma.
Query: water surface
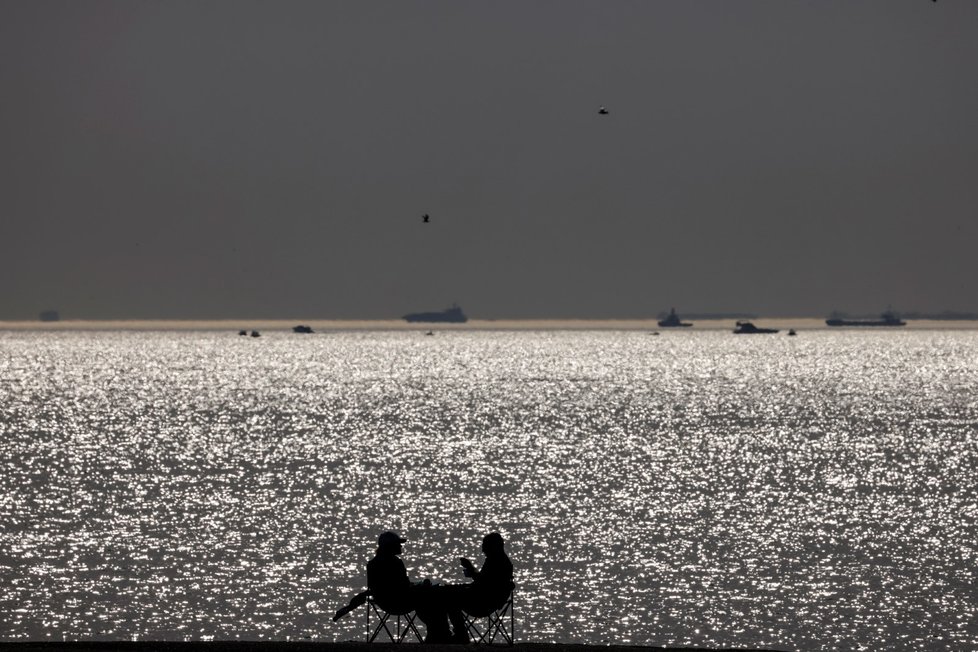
[[695, 488]]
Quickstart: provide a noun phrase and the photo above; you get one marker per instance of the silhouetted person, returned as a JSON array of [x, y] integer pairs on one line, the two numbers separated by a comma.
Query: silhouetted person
[[388, 582], [490, 586], [494, 582]]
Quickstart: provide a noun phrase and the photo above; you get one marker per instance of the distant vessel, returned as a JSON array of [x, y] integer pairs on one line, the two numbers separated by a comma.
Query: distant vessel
[[888, 318], [49, 315], [255, 334], [451, 315], [673, 321], [792, 332], [302, 329], [747, 328]]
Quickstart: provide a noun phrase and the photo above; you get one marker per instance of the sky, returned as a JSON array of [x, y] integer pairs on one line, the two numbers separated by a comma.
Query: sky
[[229, 158]]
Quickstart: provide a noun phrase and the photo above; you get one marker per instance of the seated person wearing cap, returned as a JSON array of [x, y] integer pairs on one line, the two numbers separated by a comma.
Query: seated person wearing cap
[[388, 582], [490, 586]]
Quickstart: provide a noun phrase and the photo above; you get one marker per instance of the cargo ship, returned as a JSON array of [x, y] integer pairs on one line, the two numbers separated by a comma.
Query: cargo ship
[[888, 318], [453, 315], [747, 328], [673, 321]]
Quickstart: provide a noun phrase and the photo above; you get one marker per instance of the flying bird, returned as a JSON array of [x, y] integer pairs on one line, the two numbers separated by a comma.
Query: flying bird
[[425, 218]]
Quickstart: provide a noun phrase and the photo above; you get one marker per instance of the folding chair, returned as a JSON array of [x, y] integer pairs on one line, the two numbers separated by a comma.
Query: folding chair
[[484, 627], [402, 625]]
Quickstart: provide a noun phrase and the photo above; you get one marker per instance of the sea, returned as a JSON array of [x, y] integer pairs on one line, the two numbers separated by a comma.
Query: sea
[[682, 487]]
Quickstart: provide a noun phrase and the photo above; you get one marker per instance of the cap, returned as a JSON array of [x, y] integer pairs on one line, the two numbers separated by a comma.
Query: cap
[[389, 539]]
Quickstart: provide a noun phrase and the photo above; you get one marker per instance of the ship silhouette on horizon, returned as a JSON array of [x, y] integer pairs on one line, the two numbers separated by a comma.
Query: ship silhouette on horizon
[[453, 315], [748, 328], [673, 321], [888, 318]]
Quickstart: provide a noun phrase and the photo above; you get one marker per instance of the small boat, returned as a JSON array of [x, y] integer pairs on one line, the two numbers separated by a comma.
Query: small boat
[[673, 321], [242, 332], [792, 332], [430, 333], [747, 328], [302, 329], [255, 334]]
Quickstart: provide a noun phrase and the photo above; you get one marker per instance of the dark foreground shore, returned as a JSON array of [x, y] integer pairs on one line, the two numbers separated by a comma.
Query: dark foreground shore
[[264, 646]]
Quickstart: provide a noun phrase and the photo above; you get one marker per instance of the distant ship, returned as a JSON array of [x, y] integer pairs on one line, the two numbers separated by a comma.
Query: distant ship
[[49, 315], [747, 328], [302, 329], [673, 321], [888, 318], [451, 315]]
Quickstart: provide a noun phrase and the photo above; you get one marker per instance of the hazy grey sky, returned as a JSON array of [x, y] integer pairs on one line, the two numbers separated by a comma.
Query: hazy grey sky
[[273, 159]]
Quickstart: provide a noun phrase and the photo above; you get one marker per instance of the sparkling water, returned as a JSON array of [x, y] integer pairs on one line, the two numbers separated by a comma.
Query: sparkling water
[[697, 488]]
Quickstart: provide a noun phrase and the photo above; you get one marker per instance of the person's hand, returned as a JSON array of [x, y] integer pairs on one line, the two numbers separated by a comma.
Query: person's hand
[[468, 568]]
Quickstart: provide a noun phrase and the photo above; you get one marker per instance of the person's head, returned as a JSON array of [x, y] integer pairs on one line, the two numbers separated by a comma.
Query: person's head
[[492, 543], [390, 543]]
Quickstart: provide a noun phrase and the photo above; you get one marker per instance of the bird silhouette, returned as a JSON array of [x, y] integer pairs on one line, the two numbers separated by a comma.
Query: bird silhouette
[[425, 218]]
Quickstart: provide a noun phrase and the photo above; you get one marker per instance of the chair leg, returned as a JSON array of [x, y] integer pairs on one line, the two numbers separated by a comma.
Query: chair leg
[[372, 635], [472, 626], [409, 627], [396, 630], [499, 624], [406, 628], [496, 625], [381, 626]]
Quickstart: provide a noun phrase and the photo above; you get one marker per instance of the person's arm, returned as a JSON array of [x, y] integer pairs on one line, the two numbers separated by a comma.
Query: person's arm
[[468, 568], [403, 580]]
